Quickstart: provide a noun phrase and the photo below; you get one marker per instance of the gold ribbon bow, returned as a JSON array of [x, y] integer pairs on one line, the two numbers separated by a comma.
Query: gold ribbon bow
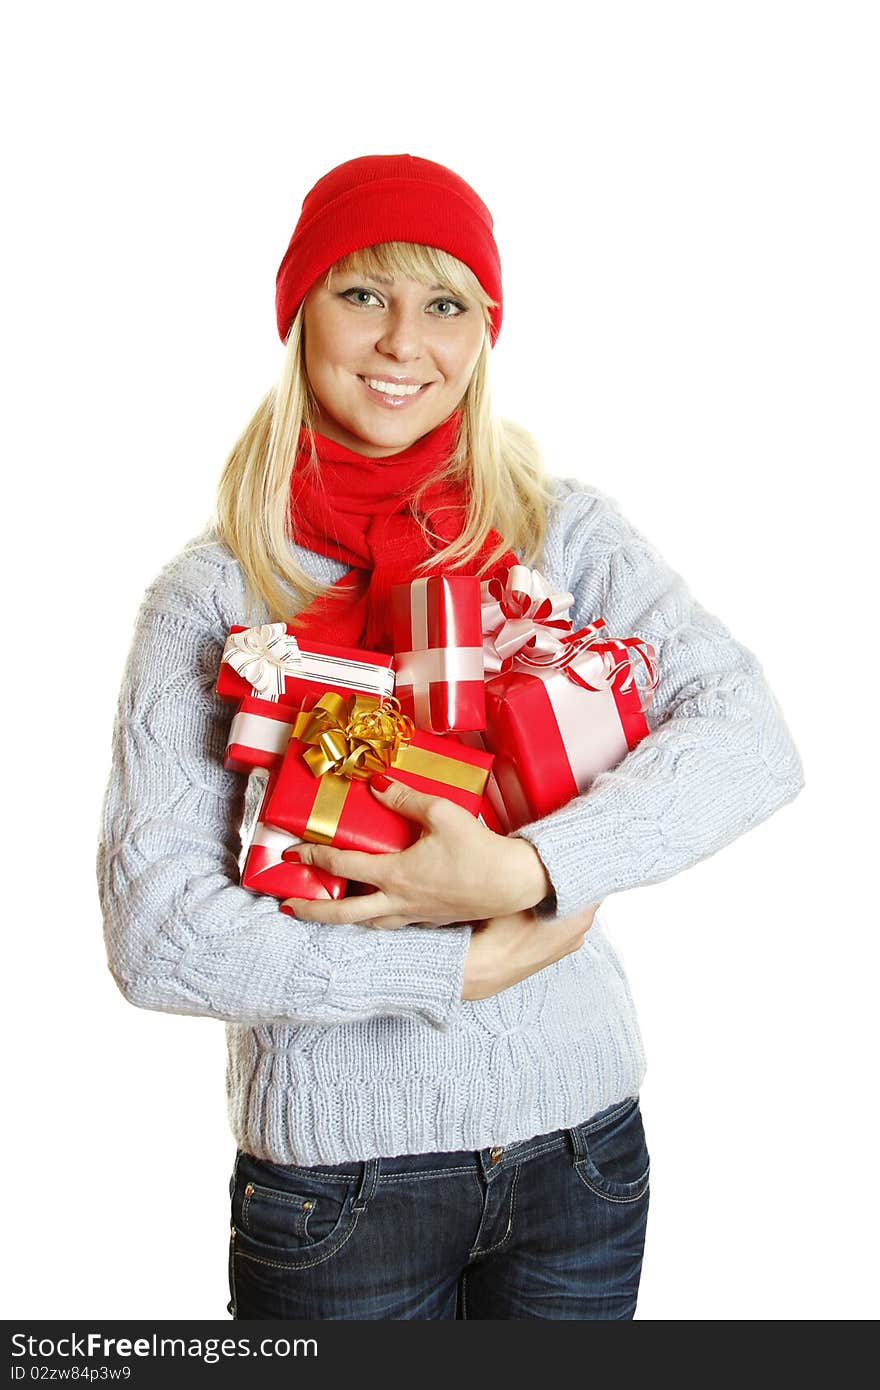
[[352, 736], [349, 738]]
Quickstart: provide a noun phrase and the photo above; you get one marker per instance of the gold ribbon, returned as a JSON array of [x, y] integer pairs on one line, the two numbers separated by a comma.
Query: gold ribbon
[[450, 771], [350, 738]]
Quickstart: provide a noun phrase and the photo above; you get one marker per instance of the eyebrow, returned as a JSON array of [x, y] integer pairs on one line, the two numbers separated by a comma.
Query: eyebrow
[[384, 280]]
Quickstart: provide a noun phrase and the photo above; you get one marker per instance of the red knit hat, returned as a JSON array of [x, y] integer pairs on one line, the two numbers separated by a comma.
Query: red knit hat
[[387, 197]]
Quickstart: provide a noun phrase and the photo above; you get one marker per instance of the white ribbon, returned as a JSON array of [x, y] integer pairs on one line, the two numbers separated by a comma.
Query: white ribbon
[[264, 656], [417, 670], [591, 734], [259, 731]]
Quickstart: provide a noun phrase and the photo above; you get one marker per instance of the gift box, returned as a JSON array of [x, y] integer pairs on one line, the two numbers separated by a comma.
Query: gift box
[[554, 728], [266, 872], [322, 792], [438, 652], [268, 663], [258, 735], [562, 706]]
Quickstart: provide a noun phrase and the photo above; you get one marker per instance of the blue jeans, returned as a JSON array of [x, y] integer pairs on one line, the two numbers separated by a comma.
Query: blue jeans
[[549, 1227]]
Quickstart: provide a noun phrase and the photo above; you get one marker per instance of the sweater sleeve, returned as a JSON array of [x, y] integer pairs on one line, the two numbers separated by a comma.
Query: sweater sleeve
[[719, 757], [181, 934]]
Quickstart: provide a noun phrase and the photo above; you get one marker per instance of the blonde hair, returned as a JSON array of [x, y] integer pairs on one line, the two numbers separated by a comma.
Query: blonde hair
[[499, 460]]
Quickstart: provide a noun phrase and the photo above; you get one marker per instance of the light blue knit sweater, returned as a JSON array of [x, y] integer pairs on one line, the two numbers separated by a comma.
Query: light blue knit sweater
[[348, 1043]]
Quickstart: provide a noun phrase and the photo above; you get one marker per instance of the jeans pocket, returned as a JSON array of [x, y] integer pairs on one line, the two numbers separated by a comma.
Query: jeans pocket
[[289, 1216], [611, 1157]]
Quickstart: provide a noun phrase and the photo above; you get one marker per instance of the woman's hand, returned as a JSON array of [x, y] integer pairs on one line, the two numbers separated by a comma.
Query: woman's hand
[[505, 950], [458, 871]]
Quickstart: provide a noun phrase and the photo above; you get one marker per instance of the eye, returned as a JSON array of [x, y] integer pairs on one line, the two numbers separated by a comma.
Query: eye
[[359, 290], [456, 304]]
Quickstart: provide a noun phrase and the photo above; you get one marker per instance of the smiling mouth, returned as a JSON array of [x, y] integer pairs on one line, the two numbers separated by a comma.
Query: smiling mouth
[[396, 389]]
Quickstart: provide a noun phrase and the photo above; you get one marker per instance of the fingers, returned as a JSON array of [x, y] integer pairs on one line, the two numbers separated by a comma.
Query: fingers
[[345, 863], [341, 911], [368, 911], [392, 923], [418, 806]]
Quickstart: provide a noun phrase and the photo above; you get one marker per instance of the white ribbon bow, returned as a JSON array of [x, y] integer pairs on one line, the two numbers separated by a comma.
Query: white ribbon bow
[[526, 622], [264, 656], [522, 611]]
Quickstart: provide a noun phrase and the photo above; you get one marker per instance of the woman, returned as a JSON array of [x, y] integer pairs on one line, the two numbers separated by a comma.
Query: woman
[[434, 1086]]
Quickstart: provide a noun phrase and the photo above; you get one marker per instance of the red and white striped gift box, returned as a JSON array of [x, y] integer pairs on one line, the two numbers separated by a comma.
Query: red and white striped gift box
[[555, 727], [258, 735], [438, 652], [268, 662]]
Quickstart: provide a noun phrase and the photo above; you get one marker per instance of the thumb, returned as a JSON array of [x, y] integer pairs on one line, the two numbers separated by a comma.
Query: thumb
[[397, 796]]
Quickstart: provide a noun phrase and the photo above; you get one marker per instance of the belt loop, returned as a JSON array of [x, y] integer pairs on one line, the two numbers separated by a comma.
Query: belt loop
[[369, 1180], [577, 1139]]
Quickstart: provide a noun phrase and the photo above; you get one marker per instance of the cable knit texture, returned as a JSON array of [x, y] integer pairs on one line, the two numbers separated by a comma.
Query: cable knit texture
[[349, 1043]]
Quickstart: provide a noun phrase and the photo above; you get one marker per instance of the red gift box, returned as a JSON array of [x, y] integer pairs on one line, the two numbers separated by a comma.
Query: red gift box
[[266, 872], [438, 652], [337, 807], [268, 663], [258, 735], [555, 727]]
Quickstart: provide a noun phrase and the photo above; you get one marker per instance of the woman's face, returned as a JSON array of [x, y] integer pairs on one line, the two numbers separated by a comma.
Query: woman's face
[[363, 334]]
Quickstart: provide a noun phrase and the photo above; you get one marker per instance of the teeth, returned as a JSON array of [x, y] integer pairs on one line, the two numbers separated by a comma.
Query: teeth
[[389, 388]]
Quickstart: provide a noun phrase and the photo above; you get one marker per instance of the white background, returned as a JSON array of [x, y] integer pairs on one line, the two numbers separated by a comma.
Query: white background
[[685, 198]]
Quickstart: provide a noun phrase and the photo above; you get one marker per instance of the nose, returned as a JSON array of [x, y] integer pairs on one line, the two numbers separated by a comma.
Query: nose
[[403, 333]]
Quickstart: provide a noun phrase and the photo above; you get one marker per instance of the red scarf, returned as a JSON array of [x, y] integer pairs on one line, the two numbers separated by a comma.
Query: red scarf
[[358, 512]]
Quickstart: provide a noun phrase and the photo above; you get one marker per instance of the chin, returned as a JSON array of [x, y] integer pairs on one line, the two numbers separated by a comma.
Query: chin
[[390, 434]]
